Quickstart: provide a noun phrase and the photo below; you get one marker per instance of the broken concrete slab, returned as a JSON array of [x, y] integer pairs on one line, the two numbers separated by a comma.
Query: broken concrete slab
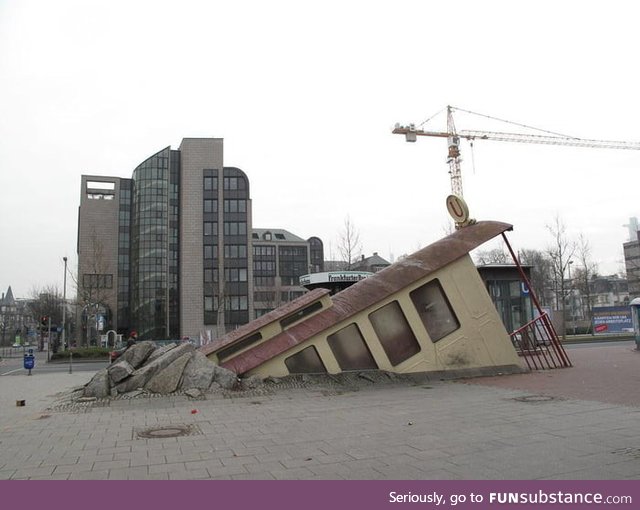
[[166, 370], [99, 386], [161, 351], [167, 380], [143, 375], [225, 378], [198, 373], [138, 353], [119, 371]]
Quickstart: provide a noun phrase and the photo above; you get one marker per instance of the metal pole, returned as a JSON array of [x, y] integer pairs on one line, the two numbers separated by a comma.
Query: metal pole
[[64, 305], [49, 338], [571, 311], [87, 307], [546, 321]]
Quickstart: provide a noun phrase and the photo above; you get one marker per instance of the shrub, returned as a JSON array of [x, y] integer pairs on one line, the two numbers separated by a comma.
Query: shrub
[[82, 353]]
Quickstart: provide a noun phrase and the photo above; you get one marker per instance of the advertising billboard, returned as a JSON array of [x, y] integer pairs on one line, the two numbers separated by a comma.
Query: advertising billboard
[[612, 319]]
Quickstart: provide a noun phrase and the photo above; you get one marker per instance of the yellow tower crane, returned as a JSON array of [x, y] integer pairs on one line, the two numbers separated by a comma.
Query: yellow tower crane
[[453, 137]]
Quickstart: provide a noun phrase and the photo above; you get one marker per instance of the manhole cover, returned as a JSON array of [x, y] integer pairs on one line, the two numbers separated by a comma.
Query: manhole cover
[[167, 431], [532, 399]]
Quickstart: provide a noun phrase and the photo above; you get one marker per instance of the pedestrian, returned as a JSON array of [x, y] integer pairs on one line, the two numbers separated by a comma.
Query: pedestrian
[[131, 341]]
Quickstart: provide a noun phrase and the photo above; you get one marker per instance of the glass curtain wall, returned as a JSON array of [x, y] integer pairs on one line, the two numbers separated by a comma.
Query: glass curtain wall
[[150, 247], [124, 244]]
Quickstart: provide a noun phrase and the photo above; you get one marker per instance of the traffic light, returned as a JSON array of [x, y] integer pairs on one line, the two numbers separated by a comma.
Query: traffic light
[[44, 322]]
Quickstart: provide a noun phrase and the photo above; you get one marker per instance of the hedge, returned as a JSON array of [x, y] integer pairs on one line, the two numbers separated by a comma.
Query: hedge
[[83, 353]]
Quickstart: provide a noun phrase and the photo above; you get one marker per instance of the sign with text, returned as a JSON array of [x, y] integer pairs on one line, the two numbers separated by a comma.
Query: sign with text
[[612, 319]]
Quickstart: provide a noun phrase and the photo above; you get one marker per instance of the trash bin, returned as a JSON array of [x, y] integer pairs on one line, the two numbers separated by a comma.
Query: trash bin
[[635, 316], [29, 361]]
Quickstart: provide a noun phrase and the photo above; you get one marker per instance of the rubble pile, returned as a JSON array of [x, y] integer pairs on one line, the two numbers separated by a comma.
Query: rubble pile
[[163, 370]]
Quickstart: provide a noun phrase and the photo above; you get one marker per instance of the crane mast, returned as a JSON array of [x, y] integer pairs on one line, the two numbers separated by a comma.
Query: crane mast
[[453, 159], [453, 140]]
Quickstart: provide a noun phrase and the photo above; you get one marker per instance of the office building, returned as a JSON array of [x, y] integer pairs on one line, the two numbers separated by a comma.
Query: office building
[[632, 265], [169, 252], [279, 259]]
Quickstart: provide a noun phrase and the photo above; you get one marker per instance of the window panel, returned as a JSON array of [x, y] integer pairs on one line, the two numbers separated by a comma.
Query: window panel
[[434, 310], [210, 206], [350, 349], [210, 228], [306, 361], [210, 183], [395, 334]]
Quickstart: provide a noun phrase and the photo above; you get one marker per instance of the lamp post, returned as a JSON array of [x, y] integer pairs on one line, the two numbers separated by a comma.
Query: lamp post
[[573, 327], [64, 305]]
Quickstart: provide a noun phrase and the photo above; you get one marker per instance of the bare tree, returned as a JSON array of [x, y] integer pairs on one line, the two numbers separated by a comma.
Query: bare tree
[[494, 256], [560, 253], [540, 276], [46, 302], [221, 327], [349, 245], [585, 274], [92, 286]]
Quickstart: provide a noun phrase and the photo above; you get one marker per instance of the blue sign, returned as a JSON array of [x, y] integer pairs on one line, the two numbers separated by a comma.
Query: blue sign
[[612, 319], [29, 361]]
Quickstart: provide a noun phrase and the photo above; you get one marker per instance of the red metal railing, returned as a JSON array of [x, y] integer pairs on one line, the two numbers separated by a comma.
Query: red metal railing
[[537, 341], [538, 344]]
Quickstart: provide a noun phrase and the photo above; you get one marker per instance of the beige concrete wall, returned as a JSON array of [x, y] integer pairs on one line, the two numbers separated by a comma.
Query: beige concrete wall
[[98, 239], [197, 154], [480, 341]]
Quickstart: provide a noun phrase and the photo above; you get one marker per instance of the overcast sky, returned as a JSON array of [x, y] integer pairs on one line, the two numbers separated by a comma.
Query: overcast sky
[[305, 96]]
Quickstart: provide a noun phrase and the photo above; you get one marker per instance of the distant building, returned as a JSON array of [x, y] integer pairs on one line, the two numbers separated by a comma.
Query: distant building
[[372, 264], [279, 259], [609, 291], [170, 251], [632, 264], [15, 318], [508, 292]]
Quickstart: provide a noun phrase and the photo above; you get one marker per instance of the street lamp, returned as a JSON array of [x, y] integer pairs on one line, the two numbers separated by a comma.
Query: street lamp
[[573, 327], [64, 305]]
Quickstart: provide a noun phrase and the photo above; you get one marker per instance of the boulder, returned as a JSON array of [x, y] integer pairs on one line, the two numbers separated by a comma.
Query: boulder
[[138, 353], [119, 371], [198, 373], [99, 385], [164, 370], [143, 375], [225, 378], [167, 380], [161, 351]]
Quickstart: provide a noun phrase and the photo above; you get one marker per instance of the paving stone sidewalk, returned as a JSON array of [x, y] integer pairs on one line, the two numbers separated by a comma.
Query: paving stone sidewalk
[[395, 430]]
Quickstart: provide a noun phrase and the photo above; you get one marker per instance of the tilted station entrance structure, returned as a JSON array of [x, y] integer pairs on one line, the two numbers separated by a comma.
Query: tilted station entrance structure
[[429, 312]]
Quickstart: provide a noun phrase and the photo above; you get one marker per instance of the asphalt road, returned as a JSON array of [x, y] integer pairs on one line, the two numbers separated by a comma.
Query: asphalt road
[[591, 343], [14, 366]]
